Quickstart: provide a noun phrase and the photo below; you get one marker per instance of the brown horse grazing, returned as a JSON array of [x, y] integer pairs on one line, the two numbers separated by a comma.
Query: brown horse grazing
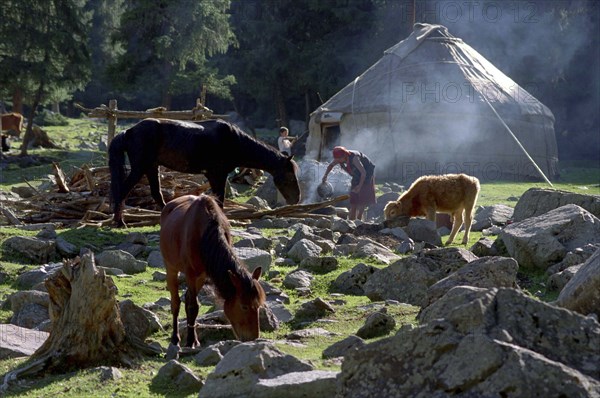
[[195, 239], [212, 147], [12, 121]]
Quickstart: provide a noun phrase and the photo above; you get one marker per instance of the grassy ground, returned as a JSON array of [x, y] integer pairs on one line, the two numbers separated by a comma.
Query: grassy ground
[[139, 381]]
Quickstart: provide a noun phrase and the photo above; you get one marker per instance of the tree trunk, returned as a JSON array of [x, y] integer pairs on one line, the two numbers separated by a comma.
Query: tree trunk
[[280, 106], [56, 107], [17, 98], [86, 323], [87, 330], [307, 109], [166, 95], [29, 131]]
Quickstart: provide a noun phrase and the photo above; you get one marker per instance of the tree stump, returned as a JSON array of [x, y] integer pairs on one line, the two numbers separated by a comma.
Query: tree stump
[[87, 330]]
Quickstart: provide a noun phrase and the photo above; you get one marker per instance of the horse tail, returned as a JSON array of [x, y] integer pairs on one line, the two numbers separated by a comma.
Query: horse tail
[[116, 164]]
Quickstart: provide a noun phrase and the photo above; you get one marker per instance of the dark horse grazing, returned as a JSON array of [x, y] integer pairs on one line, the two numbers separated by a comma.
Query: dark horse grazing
[[213, 147], [195, 239]]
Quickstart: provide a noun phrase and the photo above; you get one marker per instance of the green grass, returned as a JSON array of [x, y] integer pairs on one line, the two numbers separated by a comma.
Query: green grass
[[350, 311]]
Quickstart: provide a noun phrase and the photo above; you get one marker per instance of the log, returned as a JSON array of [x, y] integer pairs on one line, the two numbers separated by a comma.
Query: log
[[86, 330], [10, 216], [60, 178]]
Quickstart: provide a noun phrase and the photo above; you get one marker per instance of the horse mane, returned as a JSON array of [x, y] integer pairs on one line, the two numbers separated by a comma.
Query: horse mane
[[218, 256], [247, 141]]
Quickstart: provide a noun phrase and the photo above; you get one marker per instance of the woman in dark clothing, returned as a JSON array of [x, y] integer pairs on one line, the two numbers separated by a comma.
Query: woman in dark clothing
[[362, 188]]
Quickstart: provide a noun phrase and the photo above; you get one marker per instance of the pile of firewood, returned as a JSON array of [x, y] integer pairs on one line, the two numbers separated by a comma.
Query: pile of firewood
[[84, 199]]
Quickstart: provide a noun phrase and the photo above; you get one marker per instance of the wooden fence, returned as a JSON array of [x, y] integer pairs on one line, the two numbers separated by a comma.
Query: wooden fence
[[112, 114]]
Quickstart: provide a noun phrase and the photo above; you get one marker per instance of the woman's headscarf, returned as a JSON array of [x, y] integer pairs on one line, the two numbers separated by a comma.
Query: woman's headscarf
[[340, 152]]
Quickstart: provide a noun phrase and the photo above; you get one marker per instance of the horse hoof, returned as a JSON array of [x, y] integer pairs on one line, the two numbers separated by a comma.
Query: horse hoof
[[172, 352]]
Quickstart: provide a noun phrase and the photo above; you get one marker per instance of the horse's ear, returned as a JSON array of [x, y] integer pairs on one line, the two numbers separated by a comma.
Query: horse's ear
[[234, 280], [256, 273]]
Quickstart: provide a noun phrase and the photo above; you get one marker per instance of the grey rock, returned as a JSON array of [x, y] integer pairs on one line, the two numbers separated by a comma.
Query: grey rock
[[180, 376], [108, 373], [560, 279], [121, 260], [342, 225], [314, 309], [298, 278], [582, 292], [259, 203], [486, 272], [539, 242], [343, 347], [407, 279], [314, 383], [367, 248], [267, 319], [484, 247], [303, 334], [406, 246], [497, 340], [377, 324], [30, 316], [137, 321], [421, 230], [254, 258], [319, 265], [39, 251], [574, 257], [155, 259], [65, 248], [240, 370], [352, 281], [304, 248], [537, 201], [486, 216], [19, 342], [47, 233], [29, 279], [136, 238], [135, 249]]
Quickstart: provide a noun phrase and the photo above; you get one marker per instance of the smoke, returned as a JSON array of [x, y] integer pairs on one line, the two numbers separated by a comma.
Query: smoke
[[441, 108], [311, 175], [550, 48]]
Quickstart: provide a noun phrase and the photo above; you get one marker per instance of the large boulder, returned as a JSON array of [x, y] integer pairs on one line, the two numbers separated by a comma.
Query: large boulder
[[582, 292], [539, 242], [487, 216], [16, 341], [407, 279], [37, 250], [537, 201], [245, 365], [483, 342], [485, 272]]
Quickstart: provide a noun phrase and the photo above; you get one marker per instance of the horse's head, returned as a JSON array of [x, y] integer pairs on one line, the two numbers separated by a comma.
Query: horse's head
[[242, 308], [392, 210], [286, 180]]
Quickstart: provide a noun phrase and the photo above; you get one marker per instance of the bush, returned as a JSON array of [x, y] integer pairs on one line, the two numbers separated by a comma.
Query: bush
[[49, 118]]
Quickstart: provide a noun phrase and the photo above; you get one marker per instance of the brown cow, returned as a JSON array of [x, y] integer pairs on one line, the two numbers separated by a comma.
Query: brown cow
[[453, 194], [12, 121]]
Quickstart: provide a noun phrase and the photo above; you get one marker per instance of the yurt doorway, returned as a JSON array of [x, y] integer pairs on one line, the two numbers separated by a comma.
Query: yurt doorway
[[330, 137]]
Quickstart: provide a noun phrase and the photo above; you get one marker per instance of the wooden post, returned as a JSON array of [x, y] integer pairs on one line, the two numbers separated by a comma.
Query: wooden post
[[112, 120]]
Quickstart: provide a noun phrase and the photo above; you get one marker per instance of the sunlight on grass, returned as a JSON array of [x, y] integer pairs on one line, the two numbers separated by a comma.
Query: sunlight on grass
[[350, 311]]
